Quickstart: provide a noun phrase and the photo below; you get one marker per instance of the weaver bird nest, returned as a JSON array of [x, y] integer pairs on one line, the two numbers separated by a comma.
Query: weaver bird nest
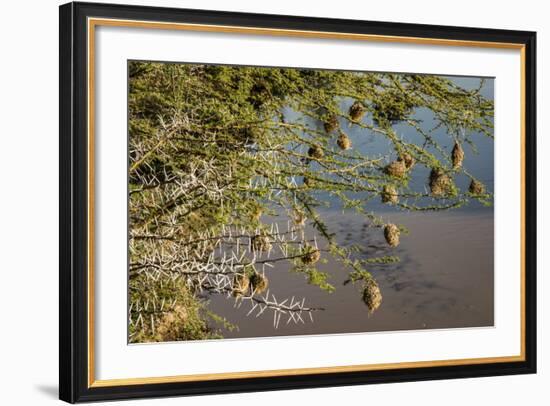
[[310, 255], [315, 151], [372, 296], [389, 194], [476, 187], [259, 282], [261, 242], [357, 111], [397, 169], [343, 141], [391, 234], [457, 156], [241, 284], [408, 160], [331, 124], [441, 184]]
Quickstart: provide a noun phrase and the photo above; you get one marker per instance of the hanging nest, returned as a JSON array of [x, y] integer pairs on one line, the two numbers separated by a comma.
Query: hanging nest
[[457, 156], [315, 151], [476, 187], [261, 242], [259, 282], [331, 124], [397, 169], [440, 183], [391, 234], [241, 284], [389, 194], [310, 255], [372, 296], [408, 159], [357, 111], [299, 218], [343, 141]]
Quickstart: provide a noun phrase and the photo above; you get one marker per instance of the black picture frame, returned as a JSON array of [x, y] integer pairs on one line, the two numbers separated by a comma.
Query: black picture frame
[[74, 199]]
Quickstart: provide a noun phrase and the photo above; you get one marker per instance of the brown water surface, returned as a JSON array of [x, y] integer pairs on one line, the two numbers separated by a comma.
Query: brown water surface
[[444, 280]]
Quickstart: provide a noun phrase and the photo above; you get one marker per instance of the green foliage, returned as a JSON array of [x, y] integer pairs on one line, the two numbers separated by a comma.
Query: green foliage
[[167, 311]]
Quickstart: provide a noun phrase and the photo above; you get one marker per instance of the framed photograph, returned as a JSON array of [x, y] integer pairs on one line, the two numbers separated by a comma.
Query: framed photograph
[[256, 202]]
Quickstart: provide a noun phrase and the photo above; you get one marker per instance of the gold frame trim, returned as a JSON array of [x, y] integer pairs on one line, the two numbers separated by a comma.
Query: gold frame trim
[[94, 22]]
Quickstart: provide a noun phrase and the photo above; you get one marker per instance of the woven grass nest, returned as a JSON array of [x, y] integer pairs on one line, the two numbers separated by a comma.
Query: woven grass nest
[[241, 285], [261, 242], [407, 159], [457, 156], [343, 141], [310, 255], [440, 183], [397, 169], [331, 124], [391, 234], [357, 111], [389, 194], [372, 296], [315, 151], [476, 187], [259, 282]]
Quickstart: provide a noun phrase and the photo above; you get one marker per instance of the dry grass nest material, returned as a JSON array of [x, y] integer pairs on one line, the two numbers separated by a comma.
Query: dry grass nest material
[[310, 255], [357, 111], [331, 124], [476, 187], [391, 234], [343, 141], [261, 242], [440, 183], [241, 284], [397, 169], [408, 160], [259, 282], [315, 151], [457, 156], [372, 296], [389, 194]]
